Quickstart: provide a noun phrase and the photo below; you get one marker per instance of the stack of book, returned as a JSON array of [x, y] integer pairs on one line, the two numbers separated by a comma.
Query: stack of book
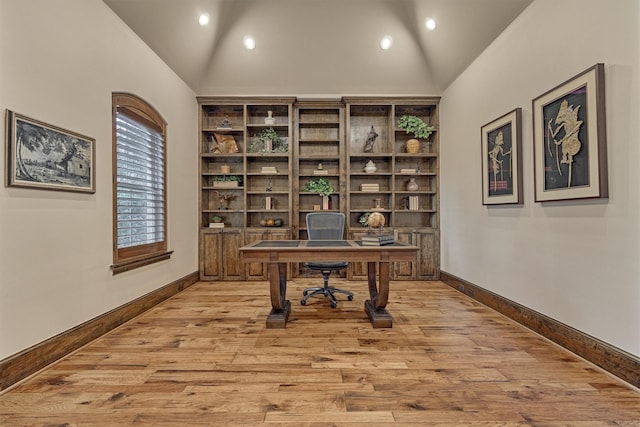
[[370, 187], [269, 169], [216, 225], [377, 239], [321, 172], [412, 171]]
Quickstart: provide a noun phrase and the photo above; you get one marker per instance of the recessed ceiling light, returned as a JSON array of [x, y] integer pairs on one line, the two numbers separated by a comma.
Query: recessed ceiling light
[[203, 19], [386, 42], [249, 42], [430, 23]]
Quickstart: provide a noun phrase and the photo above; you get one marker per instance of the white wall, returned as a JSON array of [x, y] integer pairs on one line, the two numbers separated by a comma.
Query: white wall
[[60, 60], [575, 261]]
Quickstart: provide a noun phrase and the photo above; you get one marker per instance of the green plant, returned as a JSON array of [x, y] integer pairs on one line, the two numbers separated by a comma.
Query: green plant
[[321, 186], [216, 218], [415, 125], [225, 178], [269, 133], [278, 144]]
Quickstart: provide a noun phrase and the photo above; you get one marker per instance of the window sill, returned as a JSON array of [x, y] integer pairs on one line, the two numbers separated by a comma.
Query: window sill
[[140, 262]]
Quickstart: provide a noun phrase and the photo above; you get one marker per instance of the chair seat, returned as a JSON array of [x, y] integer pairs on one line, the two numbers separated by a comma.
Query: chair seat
[[326, 265]]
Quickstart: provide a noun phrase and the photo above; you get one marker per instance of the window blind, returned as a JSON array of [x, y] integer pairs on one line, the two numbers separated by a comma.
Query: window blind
[[140, 183]]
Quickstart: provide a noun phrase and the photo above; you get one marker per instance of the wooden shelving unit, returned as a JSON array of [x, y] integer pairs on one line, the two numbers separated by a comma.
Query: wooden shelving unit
[[419, 225], [264, 175], [317, 135]]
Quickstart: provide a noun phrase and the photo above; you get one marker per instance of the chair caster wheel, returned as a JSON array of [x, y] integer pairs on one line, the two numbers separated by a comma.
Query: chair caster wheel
[[350, 297], [334, 305], [303, 302]]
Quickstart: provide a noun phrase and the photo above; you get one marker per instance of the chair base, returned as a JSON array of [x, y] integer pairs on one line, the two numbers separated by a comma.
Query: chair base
[[327, 291]]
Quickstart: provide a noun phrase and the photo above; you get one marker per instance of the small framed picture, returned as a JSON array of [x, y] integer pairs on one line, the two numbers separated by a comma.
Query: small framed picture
[[570, 139], [39, 155], [502, 160]]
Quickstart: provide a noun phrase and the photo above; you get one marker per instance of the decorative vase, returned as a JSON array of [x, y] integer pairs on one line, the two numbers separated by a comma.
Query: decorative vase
[[269, 120], [370, 167], [412, 185], [413, 146], [225, 169]]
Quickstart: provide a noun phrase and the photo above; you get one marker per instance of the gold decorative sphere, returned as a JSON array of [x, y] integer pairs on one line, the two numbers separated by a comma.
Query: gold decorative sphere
[[376, 220]]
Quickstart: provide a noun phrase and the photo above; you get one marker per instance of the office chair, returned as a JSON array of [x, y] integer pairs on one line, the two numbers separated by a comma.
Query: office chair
[[325, 226]]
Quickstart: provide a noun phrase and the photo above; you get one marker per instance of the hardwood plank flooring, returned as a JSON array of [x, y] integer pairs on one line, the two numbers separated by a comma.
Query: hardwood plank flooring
[[205, 358]]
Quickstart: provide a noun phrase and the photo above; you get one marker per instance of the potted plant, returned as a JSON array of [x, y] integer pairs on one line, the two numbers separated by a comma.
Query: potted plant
[[269, 138], [321, 186], [415, 125], [420, 130], [227, 181]]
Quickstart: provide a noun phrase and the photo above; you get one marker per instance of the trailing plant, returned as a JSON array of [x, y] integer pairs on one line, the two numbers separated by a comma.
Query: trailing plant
[[415, 125], [321, 186], [278, 144], [269, 133], [227, 178]]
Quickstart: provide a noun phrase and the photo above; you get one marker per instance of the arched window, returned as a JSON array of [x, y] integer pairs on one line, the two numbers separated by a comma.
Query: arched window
[[139, 184]]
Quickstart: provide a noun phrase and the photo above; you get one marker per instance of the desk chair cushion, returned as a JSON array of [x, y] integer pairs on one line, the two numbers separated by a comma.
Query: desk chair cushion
[[326, 265]]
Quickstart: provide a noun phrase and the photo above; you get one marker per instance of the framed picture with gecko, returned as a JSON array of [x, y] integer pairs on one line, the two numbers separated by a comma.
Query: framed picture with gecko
[[570, 139]]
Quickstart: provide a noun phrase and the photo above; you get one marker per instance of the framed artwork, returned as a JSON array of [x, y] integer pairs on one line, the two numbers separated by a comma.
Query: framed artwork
[[39, 155], [502, 160], [569, 139]]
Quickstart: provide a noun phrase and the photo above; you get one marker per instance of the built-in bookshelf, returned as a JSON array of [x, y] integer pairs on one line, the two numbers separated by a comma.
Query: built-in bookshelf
[[382, 176], [245, 174], [255, 186]]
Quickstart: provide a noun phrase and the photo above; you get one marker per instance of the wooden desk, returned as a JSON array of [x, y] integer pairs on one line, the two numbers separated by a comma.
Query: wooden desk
[[277, 253]]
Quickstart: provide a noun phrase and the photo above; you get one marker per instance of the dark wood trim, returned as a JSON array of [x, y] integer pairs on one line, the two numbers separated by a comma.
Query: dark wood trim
[[140, 262], [612, 359], [29, 361]]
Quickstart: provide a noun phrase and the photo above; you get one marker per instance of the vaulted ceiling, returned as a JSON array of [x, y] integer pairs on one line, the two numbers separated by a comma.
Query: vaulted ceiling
[[318, 47]]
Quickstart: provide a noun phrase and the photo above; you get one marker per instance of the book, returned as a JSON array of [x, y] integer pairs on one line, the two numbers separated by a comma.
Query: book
[[373, 243], [407, 171], [378, 238], [216, 225], [269, 170], [370, 187], [321, 172]]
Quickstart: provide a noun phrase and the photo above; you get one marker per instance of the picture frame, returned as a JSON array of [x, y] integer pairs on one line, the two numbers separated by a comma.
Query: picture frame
[[502, 160], [43, 156], [569, 139]]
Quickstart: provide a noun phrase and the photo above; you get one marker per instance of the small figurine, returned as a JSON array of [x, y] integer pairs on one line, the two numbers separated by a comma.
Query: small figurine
[[371, 139], [225, 123]]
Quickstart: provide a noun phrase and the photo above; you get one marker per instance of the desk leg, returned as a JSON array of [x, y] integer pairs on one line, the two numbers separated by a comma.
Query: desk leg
[[375, 307], [279, 314]]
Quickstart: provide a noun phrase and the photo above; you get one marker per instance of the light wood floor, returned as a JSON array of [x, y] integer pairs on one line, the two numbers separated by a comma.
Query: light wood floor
[[205, 358]]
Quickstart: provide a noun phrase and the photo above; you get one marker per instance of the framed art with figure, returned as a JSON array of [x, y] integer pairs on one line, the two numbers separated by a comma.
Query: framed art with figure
[[39, 155], [569, 139], [502, 160]]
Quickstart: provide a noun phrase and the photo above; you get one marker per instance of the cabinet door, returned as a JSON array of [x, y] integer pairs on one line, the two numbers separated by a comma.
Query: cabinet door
[[231, 265], [210, 254], [427, 267], [405, 270], [255, 270]]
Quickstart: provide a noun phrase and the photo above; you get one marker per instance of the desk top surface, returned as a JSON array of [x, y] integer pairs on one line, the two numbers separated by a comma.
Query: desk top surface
[[321, 244]]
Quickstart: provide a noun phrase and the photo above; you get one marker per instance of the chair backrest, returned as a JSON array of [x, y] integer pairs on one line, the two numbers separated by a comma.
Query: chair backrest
[[325, 225]]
